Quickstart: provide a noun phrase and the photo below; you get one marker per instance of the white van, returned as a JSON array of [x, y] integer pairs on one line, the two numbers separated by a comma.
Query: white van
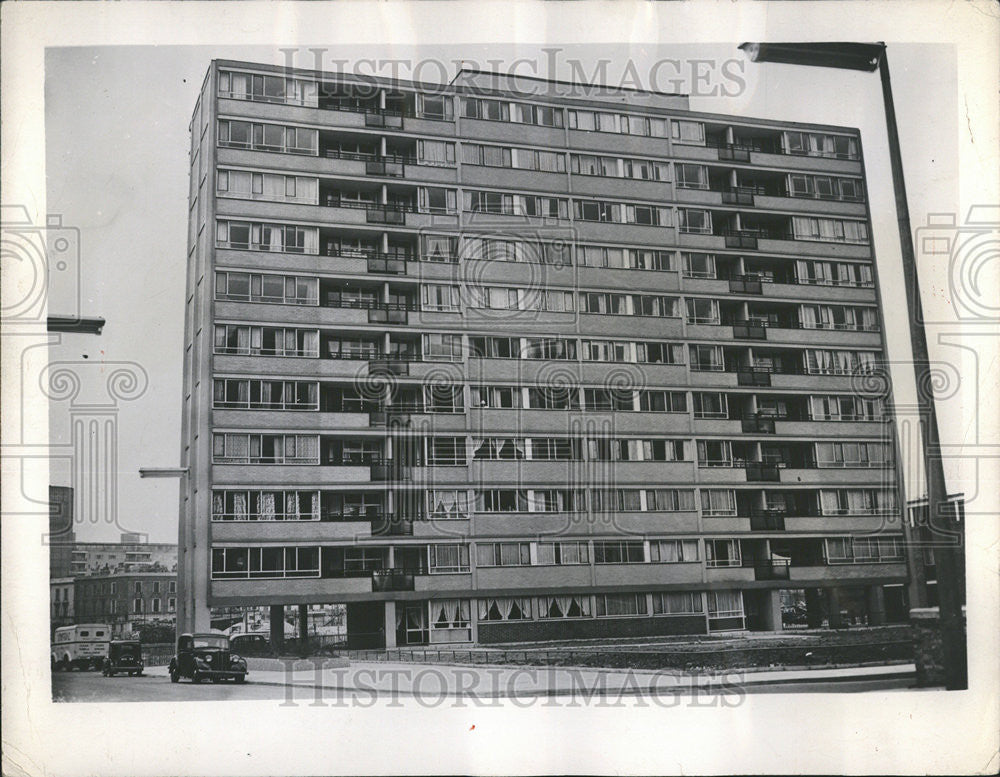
[[83, 646]]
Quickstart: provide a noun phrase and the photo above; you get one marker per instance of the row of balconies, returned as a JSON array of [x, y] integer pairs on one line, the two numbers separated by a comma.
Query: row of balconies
[[338, 114], [765, 190], [359, 583]]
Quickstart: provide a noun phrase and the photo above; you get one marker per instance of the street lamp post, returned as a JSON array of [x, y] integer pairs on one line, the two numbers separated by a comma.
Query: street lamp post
[[869, 57]]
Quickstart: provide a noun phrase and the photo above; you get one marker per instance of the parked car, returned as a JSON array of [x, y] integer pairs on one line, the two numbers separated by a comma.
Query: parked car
[[252, 645], [124, 655], [206, 656]]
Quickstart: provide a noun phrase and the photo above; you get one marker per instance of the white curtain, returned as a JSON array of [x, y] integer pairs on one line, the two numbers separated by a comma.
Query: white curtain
[[807, 316], [265, 506]]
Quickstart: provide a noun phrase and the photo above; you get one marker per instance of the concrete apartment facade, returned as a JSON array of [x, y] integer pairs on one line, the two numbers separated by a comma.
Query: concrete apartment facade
[[508, 359]]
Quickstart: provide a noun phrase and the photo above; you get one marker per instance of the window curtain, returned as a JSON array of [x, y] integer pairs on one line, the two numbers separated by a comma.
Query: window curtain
[[807, 316], [240, 506], [291, 506], [265, 506], [218, 504]]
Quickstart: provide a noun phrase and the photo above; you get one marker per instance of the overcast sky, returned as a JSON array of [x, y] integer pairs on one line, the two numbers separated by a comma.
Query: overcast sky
[[116, 158]]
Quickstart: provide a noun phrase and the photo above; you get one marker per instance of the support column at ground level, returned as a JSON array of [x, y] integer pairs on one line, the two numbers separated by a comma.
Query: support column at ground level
[[277, 620], [833, 608], [814, 608], [876, 605], [390, 624], [303, 624], [770, 610]]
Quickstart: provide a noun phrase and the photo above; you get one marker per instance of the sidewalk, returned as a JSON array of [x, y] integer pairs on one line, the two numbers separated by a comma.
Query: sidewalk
[[437, 681]]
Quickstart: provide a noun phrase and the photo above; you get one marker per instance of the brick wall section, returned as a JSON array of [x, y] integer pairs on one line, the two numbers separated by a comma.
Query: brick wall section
[[584, 628]]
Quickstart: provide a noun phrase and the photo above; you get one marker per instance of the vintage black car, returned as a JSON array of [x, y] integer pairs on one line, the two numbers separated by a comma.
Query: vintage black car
[[125, 656], [206, 657], [252, 645]]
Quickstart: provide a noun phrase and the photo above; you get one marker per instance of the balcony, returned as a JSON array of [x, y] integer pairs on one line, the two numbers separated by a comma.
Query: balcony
[[758, 425], [387, 119], [767, 473], [745, 284], [769, 569], [393, 365], [390, 471], [731, 152], [767, 520], [395, 578], [748, 329], [753, 376], [741, 195]]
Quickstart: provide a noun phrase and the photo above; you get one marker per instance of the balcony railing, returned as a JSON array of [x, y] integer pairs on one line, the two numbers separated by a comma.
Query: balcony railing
[[767, 522], [395, 578], [768, 569], [758, 425], [768, 473], [746, 284]]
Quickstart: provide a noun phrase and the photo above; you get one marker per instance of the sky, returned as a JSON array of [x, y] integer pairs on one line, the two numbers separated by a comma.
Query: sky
[[116, 138]]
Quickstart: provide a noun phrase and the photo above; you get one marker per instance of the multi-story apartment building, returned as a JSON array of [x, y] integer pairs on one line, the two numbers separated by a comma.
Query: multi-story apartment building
[[507, 359]]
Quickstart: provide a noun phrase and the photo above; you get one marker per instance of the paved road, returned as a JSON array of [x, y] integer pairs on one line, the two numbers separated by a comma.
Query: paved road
[[93, 686]]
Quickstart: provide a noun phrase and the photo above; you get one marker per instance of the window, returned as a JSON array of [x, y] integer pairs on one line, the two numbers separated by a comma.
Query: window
[[725, 604], [687, 132], [695, 221], [446, 451], [447, 503], [448, 558], [137, 606], [171, 587], [440, 297], [442, 347], [240, 448], [171, 604], [621, 552], [563, 606], [673, 551], [503, 554], [612, 605], [496, 397], [715, 453], [435, 107], [156, 605], [702, 311], [267, 237], [722, 553], [710, 404], [265, 506], [707, 358], [681, 603], [699, 265], [652, 400], [435, 153], [853, 454], [439, 248], [549, 553], [450, 620], [434, 199], [691, 176], [505, 609], [716, 502]]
